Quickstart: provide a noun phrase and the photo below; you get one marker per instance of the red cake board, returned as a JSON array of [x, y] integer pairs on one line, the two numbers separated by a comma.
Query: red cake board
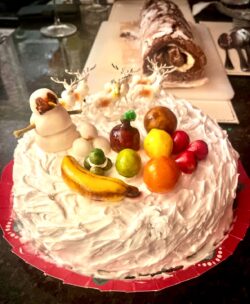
[[25, 251]]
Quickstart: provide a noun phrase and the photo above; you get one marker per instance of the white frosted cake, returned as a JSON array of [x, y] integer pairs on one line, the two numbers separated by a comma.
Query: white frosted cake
[[139, 237]]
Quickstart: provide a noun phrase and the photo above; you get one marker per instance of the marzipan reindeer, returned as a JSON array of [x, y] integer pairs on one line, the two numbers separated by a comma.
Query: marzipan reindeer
[[149, 86], [115, 90], [77, 89]]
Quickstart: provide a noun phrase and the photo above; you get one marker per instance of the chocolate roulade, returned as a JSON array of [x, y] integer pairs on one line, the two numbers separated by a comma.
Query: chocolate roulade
[[166, 38]]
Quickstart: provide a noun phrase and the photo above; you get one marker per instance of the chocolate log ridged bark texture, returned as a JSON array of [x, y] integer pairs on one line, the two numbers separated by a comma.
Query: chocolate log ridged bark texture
[[167, 38]]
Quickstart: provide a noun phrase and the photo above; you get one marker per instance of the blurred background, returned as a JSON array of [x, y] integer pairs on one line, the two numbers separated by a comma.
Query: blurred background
[[12, 12]]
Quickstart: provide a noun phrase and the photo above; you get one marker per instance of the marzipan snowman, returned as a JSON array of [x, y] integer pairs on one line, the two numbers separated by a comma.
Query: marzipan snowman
[[54, 128]]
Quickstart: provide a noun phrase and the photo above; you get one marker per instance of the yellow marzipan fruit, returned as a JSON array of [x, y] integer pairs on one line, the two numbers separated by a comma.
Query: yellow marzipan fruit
[[96, 187]]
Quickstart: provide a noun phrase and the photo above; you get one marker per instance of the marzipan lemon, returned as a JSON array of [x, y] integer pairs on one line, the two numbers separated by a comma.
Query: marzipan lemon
[[158, 143]]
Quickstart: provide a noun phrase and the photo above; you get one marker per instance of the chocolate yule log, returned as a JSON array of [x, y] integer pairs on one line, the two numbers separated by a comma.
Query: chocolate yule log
[[167, 38]]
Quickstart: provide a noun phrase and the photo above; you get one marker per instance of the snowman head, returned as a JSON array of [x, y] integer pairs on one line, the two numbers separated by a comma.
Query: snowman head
[[42, 100]]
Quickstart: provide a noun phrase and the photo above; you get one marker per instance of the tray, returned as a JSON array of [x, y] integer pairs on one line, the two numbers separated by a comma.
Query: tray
[[237, 233], [110, 48]]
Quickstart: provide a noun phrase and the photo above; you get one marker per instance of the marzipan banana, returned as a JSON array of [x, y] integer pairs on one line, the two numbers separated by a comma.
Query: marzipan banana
[[97, 187]]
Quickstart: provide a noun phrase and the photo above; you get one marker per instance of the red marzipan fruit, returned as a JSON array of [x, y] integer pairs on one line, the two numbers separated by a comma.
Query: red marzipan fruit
[[199, 148], [186, 161], [180, 141]]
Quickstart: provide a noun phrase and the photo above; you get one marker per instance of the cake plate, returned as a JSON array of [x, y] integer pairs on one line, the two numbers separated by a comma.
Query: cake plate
[[36, 259]]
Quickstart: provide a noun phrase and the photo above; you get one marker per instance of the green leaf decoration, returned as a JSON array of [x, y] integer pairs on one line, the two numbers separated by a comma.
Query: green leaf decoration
[[129, 115]]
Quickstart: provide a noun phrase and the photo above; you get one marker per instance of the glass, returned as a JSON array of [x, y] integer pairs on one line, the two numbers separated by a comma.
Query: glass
[[96, 6], [58, 29], [235, 3]]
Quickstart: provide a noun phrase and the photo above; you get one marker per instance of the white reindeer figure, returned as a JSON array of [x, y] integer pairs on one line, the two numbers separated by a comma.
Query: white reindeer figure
[[115, 90], [123, 82], [113, 94], [148, 86], [77, 89]]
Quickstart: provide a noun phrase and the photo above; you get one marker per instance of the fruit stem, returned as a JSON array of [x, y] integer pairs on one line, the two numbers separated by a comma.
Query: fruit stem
[[132, 191]]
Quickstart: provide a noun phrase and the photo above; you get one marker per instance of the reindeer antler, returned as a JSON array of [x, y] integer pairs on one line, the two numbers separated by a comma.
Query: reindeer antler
[[81, 76], [77, 73], [163, 69], [115, 66], [68, 86], [125, 73], [56, 80], [123, 70], [87, 71]]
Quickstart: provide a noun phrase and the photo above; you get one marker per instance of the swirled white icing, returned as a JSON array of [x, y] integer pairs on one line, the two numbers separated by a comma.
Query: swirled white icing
[[135, 237], [156, 23]]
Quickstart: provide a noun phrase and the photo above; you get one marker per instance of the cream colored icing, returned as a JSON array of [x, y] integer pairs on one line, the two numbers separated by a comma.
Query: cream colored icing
[[134, 237]]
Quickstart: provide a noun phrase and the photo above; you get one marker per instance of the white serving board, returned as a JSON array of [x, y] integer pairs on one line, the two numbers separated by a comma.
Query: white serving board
[[110, 48], [129, 10], [125, 11], [222, 111]]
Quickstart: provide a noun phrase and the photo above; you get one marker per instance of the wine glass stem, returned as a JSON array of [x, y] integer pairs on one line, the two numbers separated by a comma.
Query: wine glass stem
[[56, 16]]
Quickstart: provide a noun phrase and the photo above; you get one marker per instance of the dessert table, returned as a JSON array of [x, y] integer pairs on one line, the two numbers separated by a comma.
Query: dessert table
[[27, 60]]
